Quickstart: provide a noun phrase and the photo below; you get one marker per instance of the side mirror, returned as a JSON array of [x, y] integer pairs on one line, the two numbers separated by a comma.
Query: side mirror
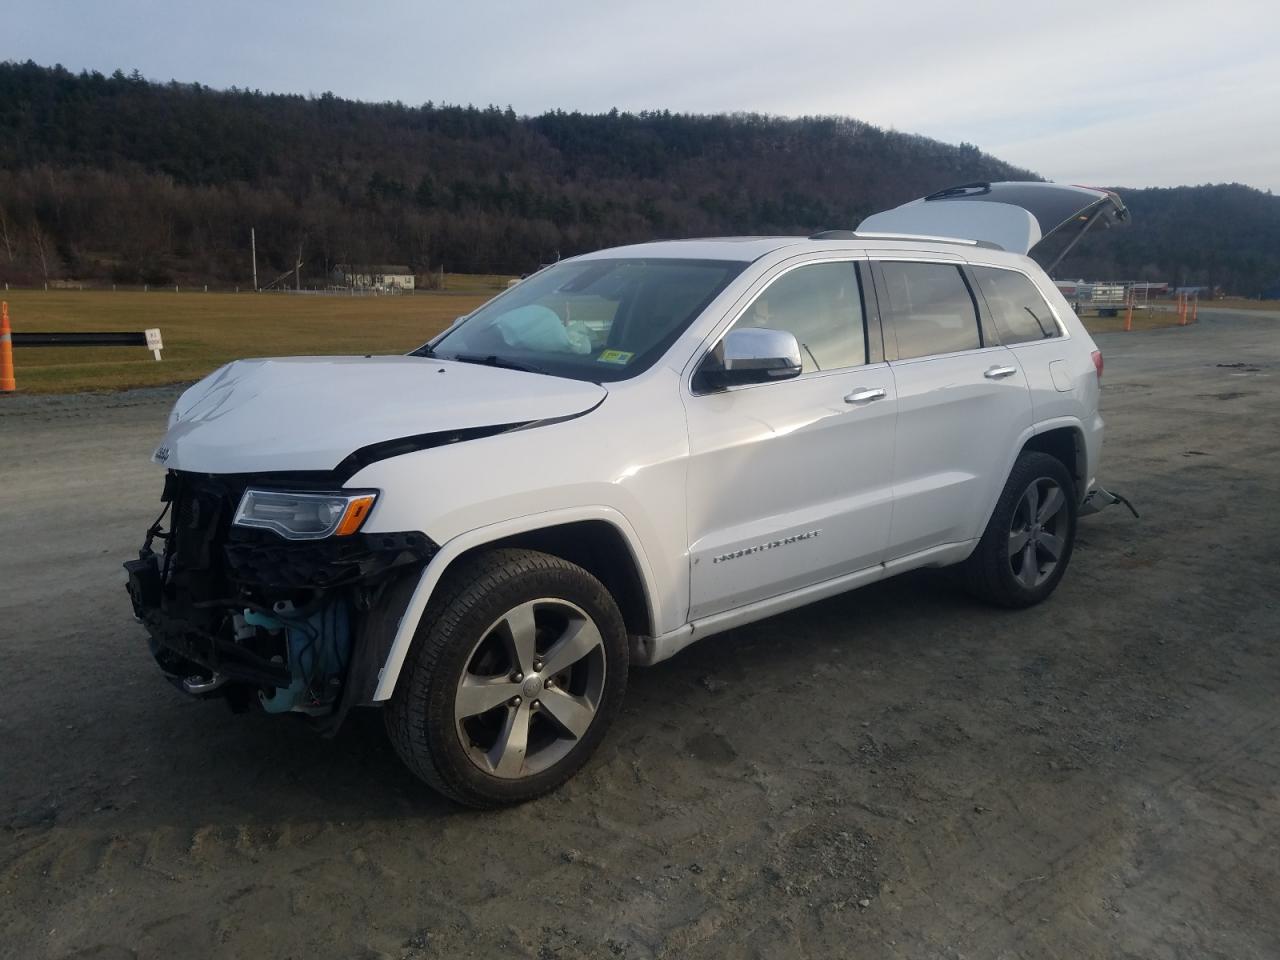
[[751, 355]]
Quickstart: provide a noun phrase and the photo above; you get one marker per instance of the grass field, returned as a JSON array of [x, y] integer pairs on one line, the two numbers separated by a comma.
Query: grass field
[[476, 282], [202, 331], [1242, 303]]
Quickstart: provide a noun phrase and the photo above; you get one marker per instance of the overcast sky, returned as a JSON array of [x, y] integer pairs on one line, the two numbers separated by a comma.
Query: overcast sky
[[1120, 93]]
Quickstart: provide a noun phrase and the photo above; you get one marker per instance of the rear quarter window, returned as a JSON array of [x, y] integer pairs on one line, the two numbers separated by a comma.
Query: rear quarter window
[[1019, 312]]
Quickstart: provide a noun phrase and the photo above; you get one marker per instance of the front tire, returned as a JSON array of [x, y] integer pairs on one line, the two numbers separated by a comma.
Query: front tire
[[517, 669], [1027, 545]]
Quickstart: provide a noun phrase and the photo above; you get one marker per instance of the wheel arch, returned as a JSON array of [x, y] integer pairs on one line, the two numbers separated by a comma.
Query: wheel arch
[[1065, 443], [599, 539], [602, 550], [1063, 439]]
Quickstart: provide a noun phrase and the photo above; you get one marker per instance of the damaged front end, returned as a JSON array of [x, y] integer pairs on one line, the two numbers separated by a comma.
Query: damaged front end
[[236, 609]]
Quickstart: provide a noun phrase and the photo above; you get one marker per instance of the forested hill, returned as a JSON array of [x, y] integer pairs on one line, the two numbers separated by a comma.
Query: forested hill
[[152, 181], [116, 178], [1219, 235]]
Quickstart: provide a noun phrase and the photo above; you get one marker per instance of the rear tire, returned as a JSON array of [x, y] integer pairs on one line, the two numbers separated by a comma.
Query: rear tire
[[1024, 552], [516, 671]]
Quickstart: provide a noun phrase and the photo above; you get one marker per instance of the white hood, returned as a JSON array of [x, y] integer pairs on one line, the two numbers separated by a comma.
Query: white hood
[[309, 413]]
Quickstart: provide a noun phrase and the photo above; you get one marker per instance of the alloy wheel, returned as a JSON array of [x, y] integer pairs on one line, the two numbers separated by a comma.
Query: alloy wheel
[[530, 688], [1037, 535]]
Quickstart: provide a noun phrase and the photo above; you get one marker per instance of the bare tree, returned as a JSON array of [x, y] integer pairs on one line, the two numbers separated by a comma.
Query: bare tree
[[41, 242], [4, 234]]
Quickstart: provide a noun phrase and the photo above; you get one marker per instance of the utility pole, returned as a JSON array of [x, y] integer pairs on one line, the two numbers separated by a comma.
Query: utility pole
[[253, 245], [297, 270]]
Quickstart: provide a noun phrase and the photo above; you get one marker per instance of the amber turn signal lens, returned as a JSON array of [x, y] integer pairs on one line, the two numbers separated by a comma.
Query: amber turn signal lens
[[357, 510]]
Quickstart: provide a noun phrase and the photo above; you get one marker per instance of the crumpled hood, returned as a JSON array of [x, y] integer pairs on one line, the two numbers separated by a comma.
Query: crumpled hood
[[310, 413]]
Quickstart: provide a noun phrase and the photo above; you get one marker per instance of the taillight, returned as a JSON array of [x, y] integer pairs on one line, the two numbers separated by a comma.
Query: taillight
[[1097, 363]]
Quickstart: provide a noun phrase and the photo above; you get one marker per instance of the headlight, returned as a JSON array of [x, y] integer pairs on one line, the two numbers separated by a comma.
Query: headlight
[[304, 516]]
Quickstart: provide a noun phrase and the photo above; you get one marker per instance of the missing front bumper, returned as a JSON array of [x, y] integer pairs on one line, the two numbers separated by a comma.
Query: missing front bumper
[[247, 616]]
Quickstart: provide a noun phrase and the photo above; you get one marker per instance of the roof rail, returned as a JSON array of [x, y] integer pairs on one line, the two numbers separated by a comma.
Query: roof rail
[[856, 235]]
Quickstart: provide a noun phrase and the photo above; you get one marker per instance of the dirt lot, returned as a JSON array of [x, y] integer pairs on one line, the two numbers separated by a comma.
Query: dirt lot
[[894, 773]]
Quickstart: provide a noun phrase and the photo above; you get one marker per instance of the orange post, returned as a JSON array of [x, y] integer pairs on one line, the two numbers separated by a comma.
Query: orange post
[[7, 383], [1128, 318]]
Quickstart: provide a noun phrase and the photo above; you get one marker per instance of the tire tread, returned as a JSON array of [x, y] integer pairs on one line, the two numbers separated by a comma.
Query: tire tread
[[985, 574], [459, 591]]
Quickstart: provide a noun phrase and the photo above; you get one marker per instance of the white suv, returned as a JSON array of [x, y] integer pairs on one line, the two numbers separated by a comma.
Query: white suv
[[622, 454]]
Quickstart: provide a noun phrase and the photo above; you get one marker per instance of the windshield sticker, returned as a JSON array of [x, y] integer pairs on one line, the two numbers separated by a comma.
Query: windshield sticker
[[620, 357]]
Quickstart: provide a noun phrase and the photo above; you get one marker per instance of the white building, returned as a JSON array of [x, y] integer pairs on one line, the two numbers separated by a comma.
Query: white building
[[377, 276]]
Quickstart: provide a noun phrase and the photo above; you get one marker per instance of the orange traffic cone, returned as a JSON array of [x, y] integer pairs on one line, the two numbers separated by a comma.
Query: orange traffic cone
[[7, 383]]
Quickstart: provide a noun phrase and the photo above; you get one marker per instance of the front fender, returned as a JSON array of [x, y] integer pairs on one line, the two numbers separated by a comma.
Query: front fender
[[454, 548]]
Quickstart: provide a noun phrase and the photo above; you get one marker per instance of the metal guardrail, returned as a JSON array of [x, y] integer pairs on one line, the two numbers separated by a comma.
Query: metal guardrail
[[79, 339], [145, 338]]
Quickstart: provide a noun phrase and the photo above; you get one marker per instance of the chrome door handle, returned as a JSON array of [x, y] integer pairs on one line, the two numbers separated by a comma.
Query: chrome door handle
[[999, 373], [865, 395]]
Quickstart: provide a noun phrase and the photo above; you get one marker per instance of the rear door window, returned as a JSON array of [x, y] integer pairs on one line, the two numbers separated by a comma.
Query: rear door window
[[1019, 311], [931, 307]]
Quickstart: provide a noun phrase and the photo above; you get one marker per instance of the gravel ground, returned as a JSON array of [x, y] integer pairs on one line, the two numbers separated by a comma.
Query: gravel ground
[[897, 772]]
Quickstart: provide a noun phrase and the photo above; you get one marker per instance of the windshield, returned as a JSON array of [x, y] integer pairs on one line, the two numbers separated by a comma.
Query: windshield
[[596, 320]]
